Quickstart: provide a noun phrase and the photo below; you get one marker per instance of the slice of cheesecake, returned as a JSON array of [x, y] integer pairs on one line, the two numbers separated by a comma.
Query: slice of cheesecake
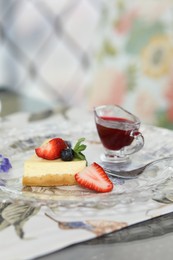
[[41, 172]]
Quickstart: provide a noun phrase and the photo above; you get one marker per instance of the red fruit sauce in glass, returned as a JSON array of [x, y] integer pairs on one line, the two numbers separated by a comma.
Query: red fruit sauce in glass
[[112, 137]]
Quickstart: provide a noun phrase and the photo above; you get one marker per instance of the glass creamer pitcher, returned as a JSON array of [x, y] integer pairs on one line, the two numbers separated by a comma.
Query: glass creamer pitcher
[[119, 133]]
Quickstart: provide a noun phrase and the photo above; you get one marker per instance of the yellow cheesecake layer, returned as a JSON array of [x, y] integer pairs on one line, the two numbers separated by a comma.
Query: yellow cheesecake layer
[[41, 172]]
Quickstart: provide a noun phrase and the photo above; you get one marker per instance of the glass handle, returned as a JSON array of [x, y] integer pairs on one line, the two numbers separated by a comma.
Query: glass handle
[[137, 143]]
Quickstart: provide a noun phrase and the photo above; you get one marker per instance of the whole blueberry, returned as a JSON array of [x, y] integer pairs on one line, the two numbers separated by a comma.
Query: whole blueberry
[[67, 154]]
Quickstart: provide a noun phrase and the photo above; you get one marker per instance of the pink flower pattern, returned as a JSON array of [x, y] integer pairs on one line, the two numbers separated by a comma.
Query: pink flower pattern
[[126, 21], [130, 30], [169, 99]]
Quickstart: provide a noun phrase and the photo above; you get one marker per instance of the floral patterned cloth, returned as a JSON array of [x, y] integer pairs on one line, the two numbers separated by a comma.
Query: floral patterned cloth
[[133, 66]]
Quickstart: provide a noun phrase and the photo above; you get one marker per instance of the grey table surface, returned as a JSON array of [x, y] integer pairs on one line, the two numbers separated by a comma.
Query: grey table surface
[[151, 239]]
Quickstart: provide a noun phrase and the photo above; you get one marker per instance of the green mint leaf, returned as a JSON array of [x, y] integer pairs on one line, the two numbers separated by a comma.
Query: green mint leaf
[[81, 148], [78, 148], [78, 143], [79, 156]]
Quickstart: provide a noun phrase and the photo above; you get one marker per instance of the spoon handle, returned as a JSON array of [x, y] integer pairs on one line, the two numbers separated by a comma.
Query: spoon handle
[[134, 173]]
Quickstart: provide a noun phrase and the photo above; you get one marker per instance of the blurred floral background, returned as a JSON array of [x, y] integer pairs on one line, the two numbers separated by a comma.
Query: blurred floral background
[[134, 64], [85, 53]]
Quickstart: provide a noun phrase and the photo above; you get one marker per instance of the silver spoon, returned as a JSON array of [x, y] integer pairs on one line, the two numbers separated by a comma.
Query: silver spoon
[[131, 174]]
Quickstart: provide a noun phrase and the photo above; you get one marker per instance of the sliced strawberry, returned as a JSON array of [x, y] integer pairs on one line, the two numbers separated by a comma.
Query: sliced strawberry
[[52, 149], [94, 177]]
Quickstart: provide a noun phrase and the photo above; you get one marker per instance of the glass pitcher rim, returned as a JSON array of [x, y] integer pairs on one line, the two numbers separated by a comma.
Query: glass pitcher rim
[[136, 120]]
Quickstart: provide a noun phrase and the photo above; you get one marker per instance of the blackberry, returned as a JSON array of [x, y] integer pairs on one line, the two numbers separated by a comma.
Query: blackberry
[[67, 154], [68, 143]]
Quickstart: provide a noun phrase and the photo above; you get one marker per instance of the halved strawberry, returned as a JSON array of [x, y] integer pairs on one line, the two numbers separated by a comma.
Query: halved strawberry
[[94, 177], [52, 149]]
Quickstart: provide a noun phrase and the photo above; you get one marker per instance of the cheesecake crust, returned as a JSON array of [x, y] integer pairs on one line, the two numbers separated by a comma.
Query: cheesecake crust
[[50, 180]]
